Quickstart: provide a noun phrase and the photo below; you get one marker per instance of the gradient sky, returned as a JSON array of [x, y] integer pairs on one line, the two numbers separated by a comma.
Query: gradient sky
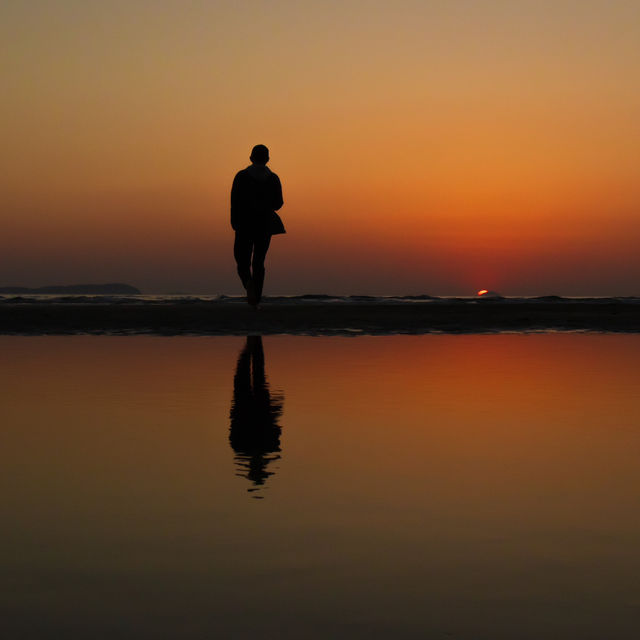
[[424, 146]]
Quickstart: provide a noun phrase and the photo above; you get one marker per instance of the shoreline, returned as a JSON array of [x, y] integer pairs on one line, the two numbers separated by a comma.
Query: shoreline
[[231, 317]]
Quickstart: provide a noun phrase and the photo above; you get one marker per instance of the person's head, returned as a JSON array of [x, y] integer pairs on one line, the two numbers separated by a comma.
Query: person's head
[[259, 154]]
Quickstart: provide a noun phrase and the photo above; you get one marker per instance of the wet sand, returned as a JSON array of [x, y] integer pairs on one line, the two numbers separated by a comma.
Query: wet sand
[[231, 317]]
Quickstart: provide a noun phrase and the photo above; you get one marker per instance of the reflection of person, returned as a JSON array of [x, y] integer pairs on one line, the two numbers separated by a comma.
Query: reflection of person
[[256, 195], [254, 434]]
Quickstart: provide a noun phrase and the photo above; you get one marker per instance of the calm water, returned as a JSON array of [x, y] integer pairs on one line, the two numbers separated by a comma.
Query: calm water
[[435, 486]]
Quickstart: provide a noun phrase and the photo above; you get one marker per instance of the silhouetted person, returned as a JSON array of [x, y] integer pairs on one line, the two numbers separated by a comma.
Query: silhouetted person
[[256, 195], [254, 433]]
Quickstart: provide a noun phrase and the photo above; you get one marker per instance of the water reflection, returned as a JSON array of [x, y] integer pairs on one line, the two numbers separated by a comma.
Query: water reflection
[[254, 432]]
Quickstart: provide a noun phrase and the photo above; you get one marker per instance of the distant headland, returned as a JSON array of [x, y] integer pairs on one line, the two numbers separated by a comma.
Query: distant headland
[[112, 288]]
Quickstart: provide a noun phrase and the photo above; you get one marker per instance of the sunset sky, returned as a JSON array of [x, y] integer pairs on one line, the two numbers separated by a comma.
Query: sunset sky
[[435, 147]]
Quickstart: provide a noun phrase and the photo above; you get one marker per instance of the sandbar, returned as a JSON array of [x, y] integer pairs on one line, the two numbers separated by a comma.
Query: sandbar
[[313, 317]]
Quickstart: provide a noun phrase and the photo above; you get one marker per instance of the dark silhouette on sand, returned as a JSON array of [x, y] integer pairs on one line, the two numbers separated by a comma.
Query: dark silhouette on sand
[[256, 195], [254, 433]]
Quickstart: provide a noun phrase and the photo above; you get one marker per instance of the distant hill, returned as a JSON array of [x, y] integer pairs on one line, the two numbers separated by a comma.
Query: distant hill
[[114, 288]]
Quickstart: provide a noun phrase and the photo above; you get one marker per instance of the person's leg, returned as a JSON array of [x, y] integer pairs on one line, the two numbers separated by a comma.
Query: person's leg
[[242, 253], [260, 248]]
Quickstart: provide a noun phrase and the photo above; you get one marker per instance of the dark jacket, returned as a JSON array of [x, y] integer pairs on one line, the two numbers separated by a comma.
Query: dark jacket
[[256, 193]]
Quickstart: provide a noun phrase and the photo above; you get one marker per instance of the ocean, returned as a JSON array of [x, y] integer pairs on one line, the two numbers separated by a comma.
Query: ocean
[[310, 298]]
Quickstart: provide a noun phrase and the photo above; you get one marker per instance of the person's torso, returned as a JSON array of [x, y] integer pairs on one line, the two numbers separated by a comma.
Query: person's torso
[[258, 190]]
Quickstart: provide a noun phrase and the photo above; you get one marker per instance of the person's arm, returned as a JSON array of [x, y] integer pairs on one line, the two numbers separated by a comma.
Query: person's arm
[[277, 193], [235, 202]]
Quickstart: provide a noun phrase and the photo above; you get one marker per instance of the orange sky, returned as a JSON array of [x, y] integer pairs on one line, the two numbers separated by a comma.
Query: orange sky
[[424, 147]]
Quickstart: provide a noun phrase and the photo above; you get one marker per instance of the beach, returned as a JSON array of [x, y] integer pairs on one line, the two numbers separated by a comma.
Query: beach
[[315, 315]]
